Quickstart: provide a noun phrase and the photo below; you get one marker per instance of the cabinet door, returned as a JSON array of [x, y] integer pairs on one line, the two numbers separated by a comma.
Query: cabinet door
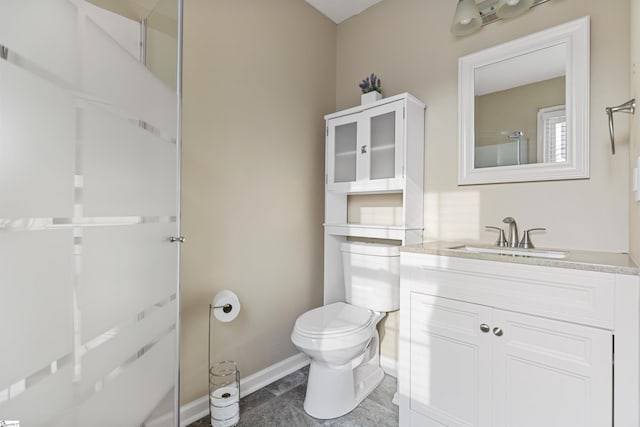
[[550, 373], [342, 142], [365, 150], [383, 133], [450, 363]]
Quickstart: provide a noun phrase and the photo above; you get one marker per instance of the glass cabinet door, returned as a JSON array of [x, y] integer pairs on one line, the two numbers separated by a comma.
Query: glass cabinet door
[[383, 146], [365, 147], [346, 138]]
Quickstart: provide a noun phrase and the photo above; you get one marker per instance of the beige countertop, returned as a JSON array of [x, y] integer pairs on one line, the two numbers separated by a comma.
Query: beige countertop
[[606, 262]]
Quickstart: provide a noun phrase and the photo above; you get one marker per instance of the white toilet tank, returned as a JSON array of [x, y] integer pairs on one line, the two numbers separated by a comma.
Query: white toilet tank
[[372, 275]]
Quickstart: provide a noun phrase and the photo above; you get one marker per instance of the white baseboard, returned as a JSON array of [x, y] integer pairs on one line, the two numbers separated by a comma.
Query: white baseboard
[[199, 408], [389, 366]]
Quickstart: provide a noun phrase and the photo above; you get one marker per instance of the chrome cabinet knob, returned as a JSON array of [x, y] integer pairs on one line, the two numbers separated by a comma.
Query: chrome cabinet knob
[[485, 328], [497, 331], [174, 239]]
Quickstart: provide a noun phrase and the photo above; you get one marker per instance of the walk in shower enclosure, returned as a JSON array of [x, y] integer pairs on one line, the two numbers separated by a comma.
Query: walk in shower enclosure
[[89, 190]]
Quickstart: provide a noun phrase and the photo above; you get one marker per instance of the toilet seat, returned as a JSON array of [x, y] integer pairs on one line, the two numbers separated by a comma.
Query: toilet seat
[[334, 320]]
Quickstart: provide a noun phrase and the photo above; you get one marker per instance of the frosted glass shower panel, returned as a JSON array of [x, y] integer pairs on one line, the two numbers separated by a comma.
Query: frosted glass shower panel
[[37, 143], [112, 350], [128, 170], [42, 36], [36, 303], [383, 145], [89, 178], [135, 391], [126, 271], [346, 138], [43, 401], [118, 79]]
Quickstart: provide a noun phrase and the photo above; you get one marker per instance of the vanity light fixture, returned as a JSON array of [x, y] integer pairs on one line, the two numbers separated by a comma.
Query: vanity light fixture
[[469, 16], [511, 8]]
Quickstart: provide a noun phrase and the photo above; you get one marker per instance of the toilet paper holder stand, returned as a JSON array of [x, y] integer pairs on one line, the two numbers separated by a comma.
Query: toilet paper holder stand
[[234, 372]]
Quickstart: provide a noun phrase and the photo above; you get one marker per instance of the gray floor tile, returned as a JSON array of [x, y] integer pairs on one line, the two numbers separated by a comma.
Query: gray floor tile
[[290, 381], [367, 414], [296, 395], [255, 399], [277, 413], [383, 394]]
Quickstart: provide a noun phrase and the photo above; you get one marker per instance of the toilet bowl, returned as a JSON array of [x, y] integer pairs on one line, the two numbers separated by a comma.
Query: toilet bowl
[[342, 342], [341, 338], [334, 334]]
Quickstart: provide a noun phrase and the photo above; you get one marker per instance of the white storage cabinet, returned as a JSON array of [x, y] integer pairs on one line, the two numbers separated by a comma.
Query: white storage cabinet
[[492, 344], [372, 149]]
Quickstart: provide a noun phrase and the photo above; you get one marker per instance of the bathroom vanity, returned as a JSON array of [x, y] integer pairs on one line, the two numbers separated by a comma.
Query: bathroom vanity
[[493, 340]]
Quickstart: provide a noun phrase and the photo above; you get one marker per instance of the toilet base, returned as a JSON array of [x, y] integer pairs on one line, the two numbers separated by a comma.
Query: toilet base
[[335, 391]]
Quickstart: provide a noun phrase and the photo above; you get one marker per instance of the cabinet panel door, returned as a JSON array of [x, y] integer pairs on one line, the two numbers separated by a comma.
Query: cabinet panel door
[[365, 150], [450, 362], [550, 373], [342, 142], [384, 126]]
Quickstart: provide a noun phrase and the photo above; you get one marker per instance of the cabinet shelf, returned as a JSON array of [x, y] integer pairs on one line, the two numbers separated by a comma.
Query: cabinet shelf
[[392, 232], [370, 186]]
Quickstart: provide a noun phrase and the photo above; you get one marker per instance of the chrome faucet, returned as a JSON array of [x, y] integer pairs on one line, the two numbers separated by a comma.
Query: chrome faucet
[[513, 231]]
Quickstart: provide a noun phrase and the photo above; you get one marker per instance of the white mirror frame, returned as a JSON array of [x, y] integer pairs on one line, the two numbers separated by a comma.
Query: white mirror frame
[[575, 35]]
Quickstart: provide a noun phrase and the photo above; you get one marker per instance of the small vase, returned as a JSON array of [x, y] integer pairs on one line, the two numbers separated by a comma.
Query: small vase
[[369, 97]]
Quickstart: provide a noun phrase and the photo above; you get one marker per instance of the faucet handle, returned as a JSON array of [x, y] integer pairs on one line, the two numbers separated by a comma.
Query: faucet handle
[[526, 243], [502, 241]]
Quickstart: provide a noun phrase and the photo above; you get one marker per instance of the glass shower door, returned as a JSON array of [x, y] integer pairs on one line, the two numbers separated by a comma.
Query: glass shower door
[[89, 179]]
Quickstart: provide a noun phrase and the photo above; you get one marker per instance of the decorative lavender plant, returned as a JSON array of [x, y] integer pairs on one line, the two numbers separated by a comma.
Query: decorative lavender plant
[[370, 84]]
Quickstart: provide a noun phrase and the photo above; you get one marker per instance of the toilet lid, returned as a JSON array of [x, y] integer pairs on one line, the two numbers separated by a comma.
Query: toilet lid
[[333, 319]]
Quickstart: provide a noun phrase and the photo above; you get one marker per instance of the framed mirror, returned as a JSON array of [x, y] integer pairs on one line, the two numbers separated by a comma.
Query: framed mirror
[[523, 108]]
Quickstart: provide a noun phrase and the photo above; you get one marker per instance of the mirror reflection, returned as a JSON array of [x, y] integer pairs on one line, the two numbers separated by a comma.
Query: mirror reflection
[[523, 108], [520, 114]]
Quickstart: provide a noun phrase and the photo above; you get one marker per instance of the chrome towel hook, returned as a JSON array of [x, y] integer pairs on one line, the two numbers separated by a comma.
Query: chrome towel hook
[[627, 107]]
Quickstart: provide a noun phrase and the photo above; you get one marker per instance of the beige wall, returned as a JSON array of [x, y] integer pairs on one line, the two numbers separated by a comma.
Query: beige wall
[[413, 50], [258, 78], [634, 232]]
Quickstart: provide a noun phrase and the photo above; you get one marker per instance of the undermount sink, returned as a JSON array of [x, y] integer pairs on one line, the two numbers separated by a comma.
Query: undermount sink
[[536, 253]]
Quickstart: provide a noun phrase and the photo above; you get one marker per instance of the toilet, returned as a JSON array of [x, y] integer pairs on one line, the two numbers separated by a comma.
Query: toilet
[[341, 338]]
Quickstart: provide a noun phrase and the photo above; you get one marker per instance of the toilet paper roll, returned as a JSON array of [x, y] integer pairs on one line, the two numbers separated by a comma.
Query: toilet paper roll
[[225, 412], [229, 306], [224, 396], [225, 423]]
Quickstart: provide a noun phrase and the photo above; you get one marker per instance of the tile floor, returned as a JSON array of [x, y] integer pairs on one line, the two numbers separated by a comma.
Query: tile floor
[[280, 404]]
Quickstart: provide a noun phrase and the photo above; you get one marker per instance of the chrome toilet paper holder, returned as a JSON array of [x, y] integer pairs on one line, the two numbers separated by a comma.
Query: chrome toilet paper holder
[[226, 307]]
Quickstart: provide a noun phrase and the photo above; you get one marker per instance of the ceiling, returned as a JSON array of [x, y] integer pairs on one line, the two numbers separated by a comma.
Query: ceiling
[[340, 10]]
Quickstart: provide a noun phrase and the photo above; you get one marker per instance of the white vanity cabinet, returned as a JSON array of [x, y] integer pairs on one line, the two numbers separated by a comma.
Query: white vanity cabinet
[[494, 344]]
